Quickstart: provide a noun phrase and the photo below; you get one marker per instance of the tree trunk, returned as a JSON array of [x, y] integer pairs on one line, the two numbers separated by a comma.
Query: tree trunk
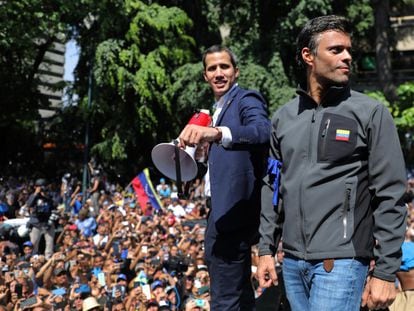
[[382, 49]]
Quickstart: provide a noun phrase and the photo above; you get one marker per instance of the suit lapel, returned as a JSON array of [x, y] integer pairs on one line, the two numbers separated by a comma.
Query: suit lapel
[[226, 105]]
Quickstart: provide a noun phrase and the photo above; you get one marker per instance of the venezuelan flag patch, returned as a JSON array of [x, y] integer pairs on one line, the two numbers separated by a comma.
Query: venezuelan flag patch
[[342, 135]]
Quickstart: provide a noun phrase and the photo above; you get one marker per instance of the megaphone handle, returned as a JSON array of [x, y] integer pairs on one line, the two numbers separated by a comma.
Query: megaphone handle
[[178, 168]]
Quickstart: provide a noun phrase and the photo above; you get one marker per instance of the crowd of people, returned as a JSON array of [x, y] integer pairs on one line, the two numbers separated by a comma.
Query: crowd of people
[[124, 258], [341, 174], [59, 251]]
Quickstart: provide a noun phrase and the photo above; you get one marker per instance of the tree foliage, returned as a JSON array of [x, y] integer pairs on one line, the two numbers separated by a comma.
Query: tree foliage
[[28, 28], [402, 111], [132, 76], [144, 58]]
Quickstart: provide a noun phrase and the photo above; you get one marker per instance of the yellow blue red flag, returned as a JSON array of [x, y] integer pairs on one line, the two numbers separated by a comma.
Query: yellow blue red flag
[[144, 190]]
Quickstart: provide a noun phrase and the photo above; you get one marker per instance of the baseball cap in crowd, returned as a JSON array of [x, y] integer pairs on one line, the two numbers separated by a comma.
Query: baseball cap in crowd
[[112, 207], [140, 266], [59, 271], [72, 227], [28, 244], [157, 283], [121, 277], [41, 182], [90, 303], [202, 268]]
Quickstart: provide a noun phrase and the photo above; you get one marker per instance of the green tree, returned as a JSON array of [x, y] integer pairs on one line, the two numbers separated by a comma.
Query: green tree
[[28, 30], [145, 60], [155, 106], [133, 70], [403, 112]]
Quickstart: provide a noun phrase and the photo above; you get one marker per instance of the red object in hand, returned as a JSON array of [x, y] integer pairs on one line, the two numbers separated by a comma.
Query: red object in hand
[[201, 118]]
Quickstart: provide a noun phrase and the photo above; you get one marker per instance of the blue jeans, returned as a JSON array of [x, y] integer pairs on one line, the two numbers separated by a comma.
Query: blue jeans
[[309, 287]]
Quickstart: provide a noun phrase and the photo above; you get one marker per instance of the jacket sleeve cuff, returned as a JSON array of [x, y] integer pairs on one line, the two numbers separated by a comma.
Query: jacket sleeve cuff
[[383, 276], [267, 250], [226, 139]]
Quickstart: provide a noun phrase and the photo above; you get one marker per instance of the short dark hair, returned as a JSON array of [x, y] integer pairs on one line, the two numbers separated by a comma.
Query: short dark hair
[[217, 48], [308, 37]]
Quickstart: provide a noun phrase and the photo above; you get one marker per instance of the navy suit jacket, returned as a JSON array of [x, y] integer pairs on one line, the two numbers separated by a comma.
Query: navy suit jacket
[[236, 173]]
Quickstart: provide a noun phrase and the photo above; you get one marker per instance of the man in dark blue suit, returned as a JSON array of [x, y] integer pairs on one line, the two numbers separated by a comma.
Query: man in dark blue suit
[[237, 143]]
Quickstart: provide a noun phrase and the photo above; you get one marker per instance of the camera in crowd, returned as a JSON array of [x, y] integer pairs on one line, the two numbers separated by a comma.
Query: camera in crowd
[[54, 216], [177, 264]]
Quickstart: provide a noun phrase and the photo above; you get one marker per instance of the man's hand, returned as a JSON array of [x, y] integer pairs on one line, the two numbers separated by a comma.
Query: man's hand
[[266, 272], [4, 291], [378, 294], [195, 134]]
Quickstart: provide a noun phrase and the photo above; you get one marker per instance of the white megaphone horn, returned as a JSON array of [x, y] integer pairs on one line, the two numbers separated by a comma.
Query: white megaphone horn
[[177, 163]]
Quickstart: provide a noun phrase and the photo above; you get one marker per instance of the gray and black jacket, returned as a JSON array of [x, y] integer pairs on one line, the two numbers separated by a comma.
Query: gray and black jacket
[[341, 182]]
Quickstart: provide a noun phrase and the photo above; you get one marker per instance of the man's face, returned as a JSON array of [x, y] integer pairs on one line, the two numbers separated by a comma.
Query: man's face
[[220, 73], [27, 250], [174, 251], [61, 279], [122, 282], [98, 262], [331, 64], [101, 229]]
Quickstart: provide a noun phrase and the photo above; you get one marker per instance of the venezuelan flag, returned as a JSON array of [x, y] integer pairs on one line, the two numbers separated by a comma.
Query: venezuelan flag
[[144, 190], [342, 135]]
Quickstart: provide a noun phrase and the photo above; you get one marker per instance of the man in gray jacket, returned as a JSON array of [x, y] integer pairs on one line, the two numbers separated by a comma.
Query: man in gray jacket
[[342, 177]]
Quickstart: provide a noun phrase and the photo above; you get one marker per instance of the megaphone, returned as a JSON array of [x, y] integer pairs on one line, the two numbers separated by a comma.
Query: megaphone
[[177, 163]]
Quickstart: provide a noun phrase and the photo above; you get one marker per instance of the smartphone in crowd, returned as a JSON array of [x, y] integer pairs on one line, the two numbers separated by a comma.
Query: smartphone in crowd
[[83, 289], [72, 263], [101, 279], [18, 290], [28, 302], [115, 247], [146, 290], [119, 288]]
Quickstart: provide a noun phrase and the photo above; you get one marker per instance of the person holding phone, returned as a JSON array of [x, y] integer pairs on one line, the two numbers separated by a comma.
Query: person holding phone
[[21, 288], [197, 305], [41, 206], [31, 302]]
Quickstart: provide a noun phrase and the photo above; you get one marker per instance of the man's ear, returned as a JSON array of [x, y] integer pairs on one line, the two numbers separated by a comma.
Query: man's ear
[[307, 56], [205, 76], [236, 72]]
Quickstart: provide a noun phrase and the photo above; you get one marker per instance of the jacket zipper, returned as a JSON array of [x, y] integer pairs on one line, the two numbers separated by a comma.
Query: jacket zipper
[[324, 136], [346, 211], [325, 130], [301, 212]]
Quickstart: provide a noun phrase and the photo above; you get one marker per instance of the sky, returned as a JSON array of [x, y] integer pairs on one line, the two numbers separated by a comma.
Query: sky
[[71, 59]]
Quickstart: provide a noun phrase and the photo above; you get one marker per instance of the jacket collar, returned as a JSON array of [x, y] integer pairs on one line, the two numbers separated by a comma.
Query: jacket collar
[[332, 97]]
